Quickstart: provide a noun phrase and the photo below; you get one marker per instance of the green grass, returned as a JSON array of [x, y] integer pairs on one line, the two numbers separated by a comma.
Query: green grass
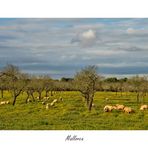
[[72, 114]]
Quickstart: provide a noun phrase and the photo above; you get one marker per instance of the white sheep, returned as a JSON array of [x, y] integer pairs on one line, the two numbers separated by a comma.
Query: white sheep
[[47, 106], [52, 104], [108, 108], [29, 100], [55, 100], [144, 107], [43, 102], [7, 102], [119, 107], [4, 102], [46, 98], [93, 105], [128, 110]]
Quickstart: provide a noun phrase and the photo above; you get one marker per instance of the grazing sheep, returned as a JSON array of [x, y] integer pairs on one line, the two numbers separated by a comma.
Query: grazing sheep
[[46, 98], [114, 107], [29, 100], [108, 108], [7, 102], [4, 102], [119, 107], [144, 107], [93, 105], [47, 106], [43, 102], [128, 110], [55, 100], [52, 104]]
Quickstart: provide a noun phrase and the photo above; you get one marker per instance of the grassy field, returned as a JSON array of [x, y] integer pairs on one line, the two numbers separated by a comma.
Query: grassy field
[[72, 114]]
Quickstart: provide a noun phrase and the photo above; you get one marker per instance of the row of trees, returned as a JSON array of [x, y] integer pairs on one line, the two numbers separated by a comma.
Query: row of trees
[[87, 81]]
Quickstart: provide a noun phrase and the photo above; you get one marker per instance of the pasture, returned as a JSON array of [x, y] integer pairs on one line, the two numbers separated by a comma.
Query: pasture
[[72, 113]]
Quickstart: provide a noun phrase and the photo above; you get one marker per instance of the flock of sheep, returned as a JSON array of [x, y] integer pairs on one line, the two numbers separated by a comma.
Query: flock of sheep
[[45, 101], [107, 108], [48, 105], [110, 108]]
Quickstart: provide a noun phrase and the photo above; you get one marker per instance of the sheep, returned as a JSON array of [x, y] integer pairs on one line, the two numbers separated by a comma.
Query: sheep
[[43, 102], [128, 110], [37, 98], [47, 106], [108, 108], [55, 100], [93, 105], [46, 98], [144, 107], [4, 102], [119, 107], [29, 100], [114, 107], [7, 102], [52, 104]]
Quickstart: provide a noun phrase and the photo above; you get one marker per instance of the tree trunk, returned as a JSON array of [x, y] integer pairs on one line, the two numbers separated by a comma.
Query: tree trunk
[[46, 94], [2, 93], [32, 96], [87, 99], [137, 97], [90, 104], [40, 95], [121, 93], [116, 92], [27, 98], [51, 93], [14, 99]]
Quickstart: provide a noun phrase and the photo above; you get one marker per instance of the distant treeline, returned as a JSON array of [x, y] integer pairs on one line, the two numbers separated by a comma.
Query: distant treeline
[[15, 81]]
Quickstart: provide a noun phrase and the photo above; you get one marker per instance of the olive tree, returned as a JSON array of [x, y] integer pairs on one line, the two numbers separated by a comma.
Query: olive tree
[[136, 82], [16, 80], [3, 83], [86, 81]]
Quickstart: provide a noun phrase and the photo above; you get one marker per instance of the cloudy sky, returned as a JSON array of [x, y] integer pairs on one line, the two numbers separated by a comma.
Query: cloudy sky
[[60, 47]]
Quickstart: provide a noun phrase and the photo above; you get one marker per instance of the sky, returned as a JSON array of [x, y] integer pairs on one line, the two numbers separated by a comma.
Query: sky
[[61, 47]]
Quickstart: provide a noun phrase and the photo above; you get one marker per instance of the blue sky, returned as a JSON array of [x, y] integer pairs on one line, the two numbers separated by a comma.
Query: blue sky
[[61, 47]]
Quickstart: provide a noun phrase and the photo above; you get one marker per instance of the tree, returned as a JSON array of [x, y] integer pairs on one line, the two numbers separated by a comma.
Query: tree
[[16, 80], [3, 83], [30, 88], [136, 82], [47, 84], [86, 81]]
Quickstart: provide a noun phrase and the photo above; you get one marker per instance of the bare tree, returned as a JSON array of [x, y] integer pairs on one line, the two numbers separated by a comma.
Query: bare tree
[[16, 80], [86, 81]]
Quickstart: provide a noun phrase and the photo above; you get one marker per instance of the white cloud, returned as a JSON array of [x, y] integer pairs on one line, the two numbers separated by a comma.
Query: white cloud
[[88, 35], [86, 38]]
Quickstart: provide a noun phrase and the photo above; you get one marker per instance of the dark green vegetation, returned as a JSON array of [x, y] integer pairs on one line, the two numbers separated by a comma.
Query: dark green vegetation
[[72, 113]]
